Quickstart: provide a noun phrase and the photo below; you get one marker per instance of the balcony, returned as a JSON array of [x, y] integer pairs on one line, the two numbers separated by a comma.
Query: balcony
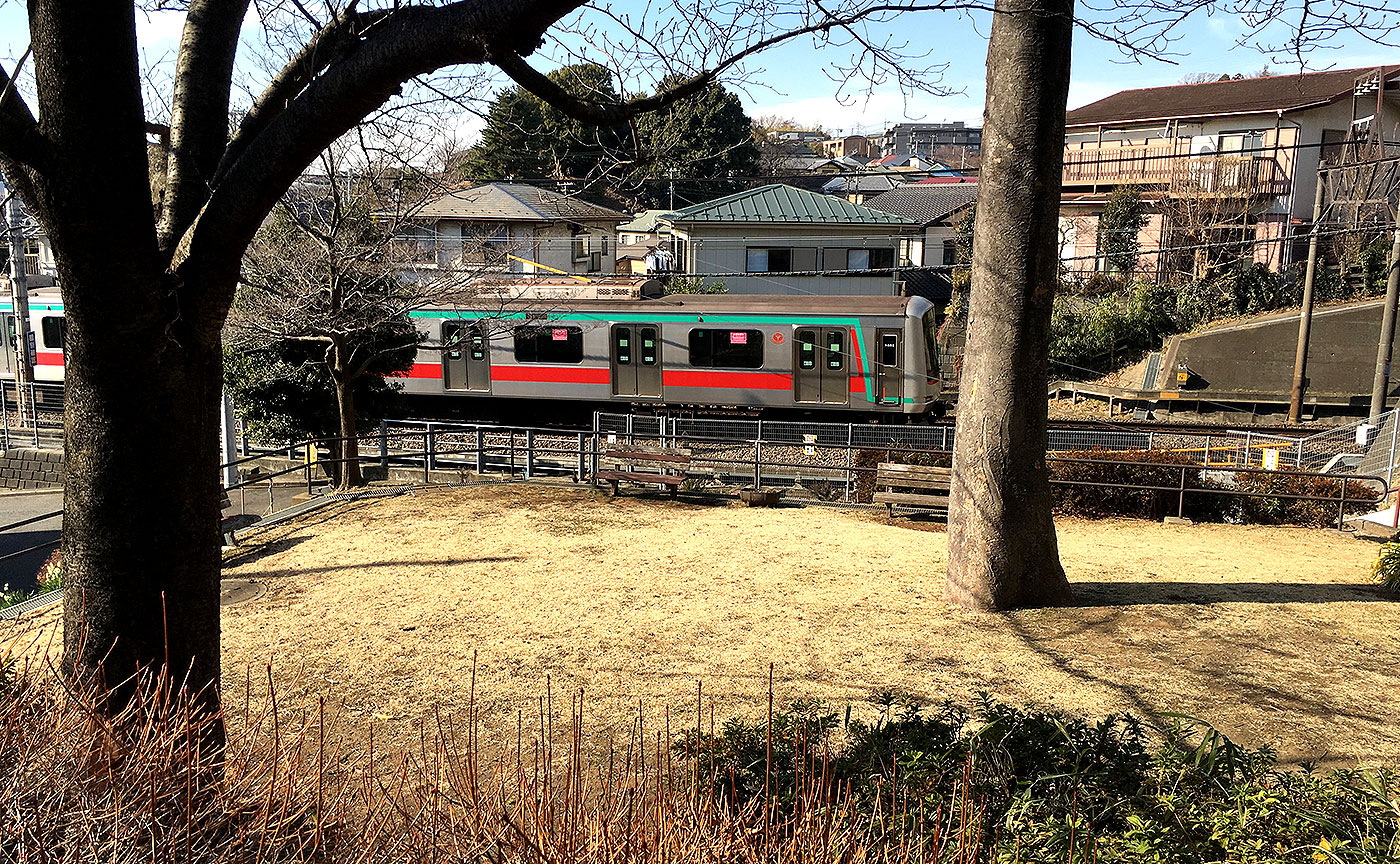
[[1172, 166]]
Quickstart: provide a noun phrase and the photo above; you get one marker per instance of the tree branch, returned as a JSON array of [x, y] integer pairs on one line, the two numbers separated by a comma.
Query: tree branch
[[199, 112], [20, 139]]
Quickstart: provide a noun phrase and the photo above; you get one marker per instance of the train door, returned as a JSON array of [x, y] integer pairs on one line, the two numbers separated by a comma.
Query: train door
[[889, 365], [636, 360], [819, 365], [466, 358], [7, 347]]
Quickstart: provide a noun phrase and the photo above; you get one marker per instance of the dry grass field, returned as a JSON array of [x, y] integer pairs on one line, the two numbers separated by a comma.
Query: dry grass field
[[1272, 634]]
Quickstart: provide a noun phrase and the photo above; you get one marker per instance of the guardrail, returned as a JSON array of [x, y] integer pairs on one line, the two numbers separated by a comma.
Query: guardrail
[[838, 468]]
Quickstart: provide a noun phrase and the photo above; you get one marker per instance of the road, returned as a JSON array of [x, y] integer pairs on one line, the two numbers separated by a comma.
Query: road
[[19, 572]]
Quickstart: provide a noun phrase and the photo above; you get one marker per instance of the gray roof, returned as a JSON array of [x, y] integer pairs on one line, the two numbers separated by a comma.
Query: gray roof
[[926, 205], [784, 205], [866, 183], [504, 202], [644, 222]]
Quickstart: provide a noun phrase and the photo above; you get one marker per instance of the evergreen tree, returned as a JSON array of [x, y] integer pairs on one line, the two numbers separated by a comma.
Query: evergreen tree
[[1124, 215], [703, 142]]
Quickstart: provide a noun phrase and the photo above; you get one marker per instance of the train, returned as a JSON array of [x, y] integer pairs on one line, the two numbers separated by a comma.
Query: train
[[849, 354]]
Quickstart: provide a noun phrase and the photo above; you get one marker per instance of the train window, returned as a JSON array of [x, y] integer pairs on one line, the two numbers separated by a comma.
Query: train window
[[889, 350], [476, 345], [835, 350], [648, 337], [622, 345], [548, 344], [733, 349], [806, 349], [55, 329]]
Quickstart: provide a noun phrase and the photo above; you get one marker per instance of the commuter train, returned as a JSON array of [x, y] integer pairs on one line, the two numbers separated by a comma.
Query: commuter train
[[850, 354]]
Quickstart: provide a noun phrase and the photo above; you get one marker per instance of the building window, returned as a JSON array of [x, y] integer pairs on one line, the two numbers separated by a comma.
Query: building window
[[858, 259], [55, 329], [546, 344], [726, 349], [950, 251], [420, 244], [485, 244], [769, 260]]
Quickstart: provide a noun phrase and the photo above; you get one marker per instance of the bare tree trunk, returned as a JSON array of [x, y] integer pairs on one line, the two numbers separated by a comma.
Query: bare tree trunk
[[141, 512], [1002, 551], [350, 474]]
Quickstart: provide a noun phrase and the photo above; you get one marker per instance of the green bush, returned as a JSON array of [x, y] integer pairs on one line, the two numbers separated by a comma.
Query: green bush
[[1024, 784], [1386, 570]]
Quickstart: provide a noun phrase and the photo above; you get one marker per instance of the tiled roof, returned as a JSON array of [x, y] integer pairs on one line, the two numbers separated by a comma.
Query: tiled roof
[[784, 204], [1215, 98], [925, 204], [502, 202]]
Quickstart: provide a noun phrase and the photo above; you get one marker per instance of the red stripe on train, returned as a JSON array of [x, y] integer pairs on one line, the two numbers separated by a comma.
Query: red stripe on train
[[48, 358], [551, 374], [733, 380]]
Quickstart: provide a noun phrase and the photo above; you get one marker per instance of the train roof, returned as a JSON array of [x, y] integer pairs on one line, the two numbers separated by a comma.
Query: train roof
[[735, 303]]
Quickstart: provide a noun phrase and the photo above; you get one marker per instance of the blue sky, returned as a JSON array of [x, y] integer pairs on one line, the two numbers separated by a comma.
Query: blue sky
[[794, 79]]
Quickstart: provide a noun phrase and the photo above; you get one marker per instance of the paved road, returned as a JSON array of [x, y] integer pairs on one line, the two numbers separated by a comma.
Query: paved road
[[19, 572]]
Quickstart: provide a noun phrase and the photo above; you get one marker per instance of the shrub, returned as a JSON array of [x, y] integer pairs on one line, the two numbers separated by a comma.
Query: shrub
[[1120, 495], [1361, 498], [1386, 570]]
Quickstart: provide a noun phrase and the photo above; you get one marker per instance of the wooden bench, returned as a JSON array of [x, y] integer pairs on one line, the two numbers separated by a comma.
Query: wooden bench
[[663, 465], [894, 482]]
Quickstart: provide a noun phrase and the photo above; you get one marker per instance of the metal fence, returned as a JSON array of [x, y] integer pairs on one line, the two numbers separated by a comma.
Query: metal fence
[[31, 415], [1224, 449], [834, 462]]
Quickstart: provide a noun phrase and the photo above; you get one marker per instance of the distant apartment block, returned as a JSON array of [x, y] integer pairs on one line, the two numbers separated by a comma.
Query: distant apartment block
[[921, 139]]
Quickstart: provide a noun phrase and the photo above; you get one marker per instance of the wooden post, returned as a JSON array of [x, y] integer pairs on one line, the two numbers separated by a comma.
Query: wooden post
[[1381, 383]]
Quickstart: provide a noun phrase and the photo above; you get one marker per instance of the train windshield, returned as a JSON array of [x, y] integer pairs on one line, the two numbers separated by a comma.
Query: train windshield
[[931, 343]]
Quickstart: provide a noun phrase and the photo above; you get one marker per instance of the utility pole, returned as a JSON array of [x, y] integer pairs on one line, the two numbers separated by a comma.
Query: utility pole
[[19, 294], [1392, 292], [1300, 360]]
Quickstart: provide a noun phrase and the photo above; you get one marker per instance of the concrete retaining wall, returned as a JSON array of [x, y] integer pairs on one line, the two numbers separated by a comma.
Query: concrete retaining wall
[[31, 469]]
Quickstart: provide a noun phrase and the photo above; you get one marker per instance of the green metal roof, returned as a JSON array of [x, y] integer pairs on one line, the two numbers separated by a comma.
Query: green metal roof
[[778, 203]]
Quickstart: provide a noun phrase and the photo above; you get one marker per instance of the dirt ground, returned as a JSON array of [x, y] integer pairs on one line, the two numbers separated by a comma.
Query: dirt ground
[[1274, 635]]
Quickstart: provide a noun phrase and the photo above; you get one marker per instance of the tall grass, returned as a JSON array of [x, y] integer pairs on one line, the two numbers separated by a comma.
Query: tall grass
[[297, 784]]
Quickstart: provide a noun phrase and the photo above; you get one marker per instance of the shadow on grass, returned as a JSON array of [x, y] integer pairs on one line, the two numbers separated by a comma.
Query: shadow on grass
[[430, 562], [1091, 594]]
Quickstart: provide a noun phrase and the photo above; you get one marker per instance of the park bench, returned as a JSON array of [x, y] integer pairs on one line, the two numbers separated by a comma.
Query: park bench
[[636, 464], [914, 486]]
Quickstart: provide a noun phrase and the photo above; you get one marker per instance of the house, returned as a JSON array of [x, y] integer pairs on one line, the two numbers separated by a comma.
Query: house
[[1233, 161], [636, 243], [849, 145], [778, 239], [937, 209], [856, 188], [501, 228]]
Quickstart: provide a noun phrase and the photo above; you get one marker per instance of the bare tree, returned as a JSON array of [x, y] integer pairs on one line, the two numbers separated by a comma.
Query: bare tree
[[1002, 551], [326, 271]]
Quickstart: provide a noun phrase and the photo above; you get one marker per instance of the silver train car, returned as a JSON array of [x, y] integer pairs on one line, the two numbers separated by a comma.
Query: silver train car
[[840, 354]]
